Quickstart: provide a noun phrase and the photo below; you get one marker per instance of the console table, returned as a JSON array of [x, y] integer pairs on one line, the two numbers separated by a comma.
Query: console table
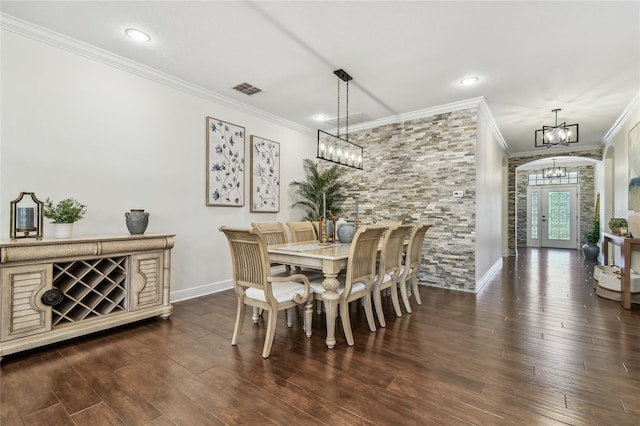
[[52, 290], [627, 245]]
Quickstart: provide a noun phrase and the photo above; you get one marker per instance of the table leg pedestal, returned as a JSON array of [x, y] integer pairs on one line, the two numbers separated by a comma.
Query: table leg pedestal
[[330, 300]]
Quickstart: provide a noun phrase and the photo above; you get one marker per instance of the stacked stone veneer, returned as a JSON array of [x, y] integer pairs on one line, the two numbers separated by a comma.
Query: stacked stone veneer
[[518, 194], [410, 170]]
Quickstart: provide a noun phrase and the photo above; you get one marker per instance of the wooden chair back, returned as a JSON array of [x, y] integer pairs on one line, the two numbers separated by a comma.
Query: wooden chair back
[[273, 232], [392, 251], [389, 223], [302, 231], [361, 265], [249, 258], [414, 250]]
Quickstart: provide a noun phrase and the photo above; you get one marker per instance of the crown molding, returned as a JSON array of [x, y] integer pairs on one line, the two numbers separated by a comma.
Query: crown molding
[[421, 113], [622, 120], [484, 109], [61, 41], [557, 150], [477, 102]]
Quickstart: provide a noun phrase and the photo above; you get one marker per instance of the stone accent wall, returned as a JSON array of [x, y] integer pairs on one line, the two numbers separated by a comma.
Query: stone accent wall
[[410, 171], [586, 182], [515, 162]]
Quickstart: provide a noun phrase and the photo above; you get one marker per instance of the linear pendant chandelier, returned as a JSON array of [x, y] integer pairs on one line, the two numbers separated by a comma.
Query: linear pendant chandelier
[[554, 172], [337, 149], [558, 135]]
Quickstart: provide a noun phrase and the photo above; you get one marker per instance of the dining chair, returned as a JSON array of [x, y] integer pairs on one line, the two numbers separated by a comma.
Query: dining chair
[[389, 268], [302, 231], [256, 286], [411, 265], [358, 280], [274, 233]]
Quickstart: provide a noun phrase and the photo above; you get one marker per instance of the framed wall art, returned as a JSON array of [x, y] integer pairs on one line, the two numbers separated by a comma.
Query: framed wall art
[[265, 175], [634, 168], [225, 164]]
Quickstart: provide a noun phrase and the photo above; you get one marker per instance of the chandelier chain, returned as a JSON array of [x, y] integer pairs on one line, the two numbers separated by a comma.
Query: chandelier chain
[[347, 130], [338, 113]]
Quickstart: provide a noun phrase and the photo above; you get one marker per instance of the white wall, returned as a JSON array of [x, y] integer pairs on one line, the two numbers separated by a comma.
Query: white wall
[[617, 166], [76, 127], [489, 198]]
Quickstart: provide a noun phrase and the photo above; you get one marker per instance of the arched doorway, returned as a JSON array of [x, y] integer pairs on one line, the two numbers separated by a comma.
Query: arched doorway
[[555, 211]]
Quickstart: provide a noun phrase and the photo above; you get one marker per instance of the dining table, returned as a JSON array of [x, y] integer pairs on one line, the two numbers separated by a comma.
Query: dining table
[[330, 259]]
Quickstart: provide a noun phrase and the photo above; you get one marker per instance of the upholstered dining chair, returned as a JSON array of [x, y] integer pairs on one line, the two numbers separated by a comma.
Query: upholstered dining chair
[[256, 286], [389, 268], [413, 258], [274, 233], [359, 277], [302, 231]]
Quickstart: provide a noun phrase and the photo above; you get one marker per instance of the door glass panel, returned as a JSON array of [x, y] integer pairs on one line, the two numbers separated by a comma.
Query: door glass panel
[[559, 215], [534, 214]]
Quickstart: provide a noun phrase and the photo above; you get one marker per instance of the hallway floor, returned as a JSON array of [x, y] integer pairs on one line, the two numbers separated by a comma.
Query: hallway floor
[[535, 346]]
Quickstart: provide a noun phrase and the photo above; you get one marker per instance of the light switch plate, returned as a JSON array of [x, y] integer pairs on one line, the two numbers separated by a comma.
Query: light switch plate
[[458, 194]]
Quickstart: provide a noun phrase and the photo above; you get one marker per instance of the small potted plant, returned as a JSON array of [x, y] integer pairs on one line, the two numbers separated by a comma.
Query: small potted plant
[[616, 223], [63, 215], [591, 250]]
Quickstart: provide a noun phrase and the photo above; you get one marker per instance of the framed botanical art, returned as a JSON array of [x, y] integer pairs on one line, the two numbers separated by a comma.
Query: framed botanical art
[[225, 164], [265, 175], [634, 168]]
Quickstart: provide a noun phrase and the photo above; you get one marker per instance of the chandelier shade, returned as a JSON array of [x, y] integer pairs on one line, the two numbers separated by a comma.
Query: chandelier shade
[[558, 135], [337, 149]]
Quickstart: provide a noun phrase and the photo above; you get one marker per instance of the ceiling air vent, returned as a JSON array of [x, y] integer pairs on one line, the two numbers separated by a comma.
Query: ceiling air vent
[[247, 89]]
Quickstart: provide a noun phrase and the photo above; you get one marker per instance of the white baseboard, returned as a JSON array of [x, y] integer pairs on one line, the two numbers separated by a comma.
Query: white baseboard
[[203, 290], [488, 275]]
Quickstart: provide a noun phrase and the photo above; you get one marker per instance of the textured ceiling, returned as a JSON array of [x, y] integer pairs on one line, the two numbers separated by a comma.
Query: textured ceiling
[[531, 57]]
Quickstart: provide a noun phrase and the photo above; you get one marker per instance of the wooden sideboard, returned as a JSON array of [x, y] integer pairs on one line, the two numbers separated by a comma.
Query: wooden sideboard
[[627, 245], [53, 290]]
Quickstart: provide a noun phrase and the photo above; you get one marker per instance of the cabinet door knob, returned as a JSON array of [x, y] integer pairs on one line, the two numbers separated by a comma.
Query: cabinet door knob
[[52, 297]]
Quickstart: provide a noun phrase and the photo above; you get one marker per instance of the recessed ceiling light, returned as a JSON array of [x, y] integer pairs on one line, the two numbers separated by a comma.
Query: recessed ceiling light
[[320, 117], [469, 81], [137, 35]]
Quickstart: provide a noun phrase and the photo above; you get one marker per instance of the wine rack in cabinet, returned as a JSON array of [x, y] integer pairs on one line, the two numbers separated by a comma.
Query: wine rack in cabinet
[[90, 288], [54, 290]]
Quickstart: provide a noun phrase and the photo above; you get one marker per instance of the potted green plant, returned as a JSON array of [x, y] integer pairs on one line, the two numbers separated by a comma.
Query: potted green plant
[[616, 223], [63, 215], [317, 183], [591, 250]]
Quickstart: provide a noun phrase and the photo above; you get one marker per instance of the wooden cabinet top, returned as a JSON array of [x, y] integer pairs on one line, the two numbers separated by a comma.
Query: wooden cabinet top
[[31, 249], [620, 239]]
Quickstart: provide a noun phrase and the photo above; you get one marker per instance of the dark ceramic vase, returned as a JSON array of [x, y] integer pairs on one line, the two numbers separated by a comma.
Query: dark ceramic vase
[[137, 221], [590, 251]]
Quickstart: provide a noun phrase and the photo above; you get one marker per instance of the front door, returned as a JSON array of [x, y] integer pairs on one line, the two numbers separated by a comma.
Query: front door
[[552, 216]]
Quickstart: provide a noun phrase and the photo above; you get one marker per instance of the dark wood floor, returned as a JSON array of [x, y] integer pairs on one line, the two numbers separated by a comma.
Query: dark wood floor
[[535, 347]]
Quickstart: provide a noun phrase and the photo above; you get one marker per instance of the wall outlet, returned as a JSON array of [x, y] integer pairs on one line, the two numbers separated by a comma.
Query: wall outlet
[[458, 194]]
